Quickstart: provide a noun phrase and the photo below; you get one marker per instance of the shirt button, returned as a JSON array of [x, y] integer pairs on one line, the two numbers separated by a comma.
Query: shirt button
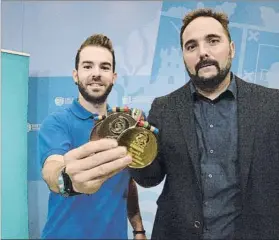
[[197, 224], [211, 125], [211, 151], [210, 175]]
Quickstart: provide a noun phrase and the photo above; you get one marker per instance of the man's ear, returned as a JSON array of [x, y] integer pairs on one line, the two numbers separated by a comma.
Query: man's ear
[[232, 47], [75, 76], [114, 78]]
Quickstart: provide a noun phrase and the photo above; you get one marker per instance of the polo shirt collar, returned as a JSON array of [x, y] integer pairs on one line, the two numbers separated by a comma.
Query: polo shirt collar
[[80, 111]]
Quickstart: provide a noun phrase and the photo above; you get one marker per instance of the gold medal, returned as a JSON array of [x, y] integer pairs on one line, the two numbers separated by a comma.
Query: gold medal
[[115, 124], [141, 144], [94, 133]]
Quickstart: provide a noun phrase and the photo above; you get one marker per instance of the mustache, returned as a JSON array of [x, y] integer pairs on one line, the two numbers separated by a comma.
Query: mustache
[[206, 62], [96, 80]]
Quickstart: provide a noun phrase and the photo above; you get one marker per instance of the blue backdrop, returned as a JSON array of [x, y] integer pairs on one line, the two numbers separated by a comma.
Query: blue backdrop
[[149, 61], [14, 100]]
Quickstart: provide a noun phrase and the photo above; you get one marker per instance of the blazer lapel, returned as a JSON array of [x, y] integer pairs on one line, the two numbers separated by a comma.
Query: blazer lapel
[[185, 110], [247, 115]]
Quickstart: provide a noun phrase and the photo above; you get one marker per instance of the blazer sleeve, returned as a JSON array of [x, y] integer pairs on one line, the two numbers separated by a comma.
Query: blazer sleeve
[[153, 174]]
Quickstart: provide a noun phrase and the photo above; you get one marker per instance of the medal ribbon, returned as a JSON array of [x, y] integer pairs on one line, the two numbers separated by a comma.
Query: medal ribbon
[[146, 125]]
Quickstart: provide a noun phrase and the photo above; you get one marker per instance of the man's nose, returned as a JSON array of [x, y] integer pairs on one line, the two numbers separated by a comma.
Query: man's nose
[[203, 52], [95, 72]]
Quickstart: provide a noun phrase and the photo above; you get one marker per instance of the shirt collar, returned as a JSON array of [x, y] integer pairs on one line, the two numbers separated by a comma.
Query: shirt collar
[[80, 111], [232, 88]]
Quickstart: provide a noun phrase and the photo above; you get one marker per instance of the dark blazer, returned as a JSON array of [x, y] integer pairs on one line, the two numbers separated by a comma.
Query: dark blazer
[[179, 214]]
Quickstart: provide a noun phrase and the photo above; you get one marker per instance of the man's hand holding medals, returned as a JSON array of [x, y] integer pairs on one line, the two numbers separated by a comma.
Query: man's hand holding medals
[[130, 128]]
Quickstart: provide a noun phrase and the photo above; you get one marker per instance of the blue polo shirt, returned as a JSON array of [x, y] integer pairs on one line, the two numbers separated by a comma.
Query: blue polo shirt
[[102, 215]]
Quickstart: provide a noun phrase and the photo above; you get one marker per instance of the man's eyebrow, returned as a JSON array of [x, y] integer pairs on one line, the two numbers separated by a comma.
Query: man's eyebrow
[[189, 41], [90, 62], [106, 63], [212, 35], [87, 62]]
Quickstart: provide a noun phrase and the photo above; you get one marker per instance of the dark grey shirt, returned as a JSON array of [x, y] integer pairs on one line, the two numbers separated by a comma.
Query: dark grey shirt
[[216, 126]]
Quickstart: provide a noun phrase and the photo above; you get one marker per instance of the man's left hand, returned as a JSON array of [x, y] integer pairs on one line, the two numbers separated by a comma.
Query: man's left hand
[[140, 236]]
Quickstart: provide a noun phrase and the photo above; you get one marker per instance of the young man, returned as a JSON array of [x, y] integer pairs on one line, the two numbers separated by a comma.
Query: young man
[[93, 175], [219, 145]]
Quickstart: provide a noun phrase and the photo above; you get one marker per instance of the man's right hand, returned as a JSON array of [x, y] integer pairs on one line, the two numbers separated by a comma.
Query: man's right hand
[[91, 164]]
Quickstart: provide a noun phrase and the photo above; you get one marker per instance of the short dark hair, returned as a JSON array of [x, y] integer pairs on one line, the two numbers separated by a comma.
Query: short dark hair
[[205, 12], [98, 40]]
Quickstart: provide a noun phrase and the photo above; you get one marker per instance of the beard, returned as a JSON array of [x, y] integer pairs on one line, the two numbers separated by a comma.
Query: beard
[[209, 84], [89, 97]]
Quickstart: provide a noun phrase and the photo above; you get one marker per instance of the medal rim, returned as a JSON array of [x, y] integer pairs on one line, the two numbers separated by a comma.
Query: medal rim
[[95, 126]]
